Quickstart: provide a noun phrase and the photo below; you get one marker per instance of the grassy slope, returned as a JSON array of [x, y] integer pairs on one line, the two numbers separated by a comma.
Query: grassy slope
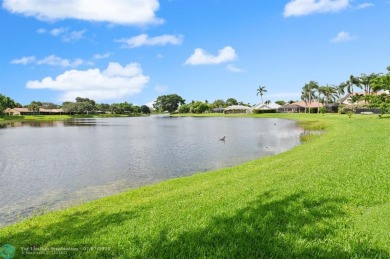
[[326, 198]]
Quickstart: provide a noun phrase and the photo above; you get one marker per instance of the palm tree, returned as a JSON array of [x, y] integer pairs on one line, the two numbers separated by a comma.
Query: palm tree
[[320, 90], [260, 91], [329, 93], [308, 92], [341, 90], [351, 82]]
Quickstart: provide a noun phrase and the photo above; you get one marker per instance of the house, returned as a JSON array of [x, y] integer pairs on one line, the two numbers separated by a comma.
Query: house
[[346, 100], [233, 109], [300, 106], [18, 111], [26, 111], [264, 106]]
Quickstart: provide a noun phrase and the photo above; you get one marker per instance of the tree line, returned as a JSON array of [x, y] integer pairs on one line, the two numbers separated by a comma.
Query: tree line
[[174, 103], [370, 84], [80, 106]]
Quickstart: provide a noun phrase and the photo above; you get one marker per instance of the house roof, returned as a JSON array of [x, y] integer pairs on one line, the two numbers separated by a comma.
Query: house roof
[[17, 109], [237, 107], [262, 106], [313, 104], [345, 99]]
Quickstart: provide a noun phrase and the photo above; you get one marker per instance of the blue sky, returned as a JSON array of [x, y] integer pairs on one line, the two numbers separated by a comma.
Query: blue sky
[[135, 50]]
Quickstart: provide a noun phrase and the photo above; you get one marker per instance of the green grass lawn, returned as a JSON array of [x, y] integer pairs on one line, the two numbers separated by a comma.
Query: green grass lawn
[[35, 118], [327, 198]]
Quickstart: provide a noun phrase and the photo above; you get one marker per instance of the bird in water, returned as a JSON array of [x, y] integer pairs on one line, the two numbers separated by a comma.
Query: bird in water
[[223, 138]]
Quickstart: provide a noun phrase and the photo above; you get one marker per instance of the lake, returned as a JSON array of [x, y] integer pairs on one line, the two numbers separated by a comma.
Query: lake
[[52, 165]]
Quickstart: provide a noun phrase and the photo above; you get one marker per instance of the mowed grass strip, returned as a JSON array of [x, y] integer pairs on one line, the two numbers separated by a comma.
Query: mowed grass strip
[[327, 198]]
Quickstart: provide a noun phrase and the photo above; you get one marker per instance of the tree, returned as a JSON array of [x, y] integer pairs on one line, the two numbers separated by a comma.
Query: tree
[[320, 90], [199, 107], [168, 103], [34, 106], [145, 109], [260, 91], [365, 80], [381, 82], [351, 82], [308, 92], [281, 102], [219, 103], [102, 107], [381, 101], [6, 102], [185, 108], [69, 107], [341, 90], [48, 105], [231, 101], [329, 93], [81, 100], [355, 98], [267, 102]]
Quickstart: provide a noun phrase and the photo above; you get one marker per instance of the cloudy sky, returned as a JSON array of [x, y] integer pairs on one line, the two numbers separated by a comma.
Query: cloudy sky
[[135, 50]]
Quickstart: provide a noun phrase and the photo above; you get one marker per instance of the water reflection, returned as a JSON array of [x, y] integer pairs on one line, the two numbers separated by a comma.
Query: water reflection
[[54, 164]]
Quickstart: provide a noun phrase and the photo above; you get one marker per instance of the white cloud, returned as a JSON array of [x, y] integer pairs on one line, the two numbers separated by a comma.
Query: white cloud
[[343, 36], [51, 60], [234, 69], [66, 36], [23, 60], [200, 57], [144, 39], [57, 31], [130, 12], [73, 36], [102, 56], [365, 5], [115, 82], [305, 7], [41, 30]]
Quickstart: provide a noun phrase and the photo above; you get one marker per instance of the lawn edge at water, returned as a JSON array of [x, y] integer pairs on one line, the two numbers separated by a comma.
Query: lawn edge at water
[[292, 204]]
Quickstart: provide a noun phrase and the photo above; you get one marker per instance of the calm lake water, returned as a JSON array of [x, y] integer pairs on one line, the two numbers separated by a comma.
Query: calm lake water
[[51, 165]]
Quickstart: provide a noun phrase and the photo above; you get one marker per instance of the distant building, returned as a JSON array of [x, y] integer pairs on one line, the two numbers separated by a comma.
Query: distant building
[[263, 106], [234, 109], [300, 106], [26, 111], [346, 100]]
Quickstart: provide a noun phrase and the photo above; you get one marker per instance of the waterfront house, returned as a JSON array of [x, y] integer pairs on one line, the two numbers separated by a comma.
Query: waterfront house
[[234, 109]]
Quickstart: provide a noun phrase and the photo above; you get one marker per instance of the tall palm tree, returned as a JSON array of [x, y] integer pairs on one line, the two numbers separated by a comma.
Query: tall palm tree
[[365, 80], [351, 82], [260, 91], [341, 90], [308, 93], [329, 93], [320, 90]]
